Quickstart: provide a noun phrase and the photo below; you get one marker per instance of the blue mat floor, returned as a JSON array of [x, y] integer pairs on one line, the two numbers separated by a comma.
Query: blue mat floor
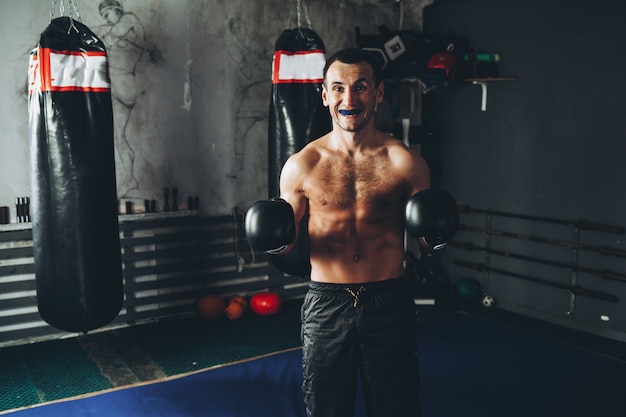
[[471, 366], [48, 371]]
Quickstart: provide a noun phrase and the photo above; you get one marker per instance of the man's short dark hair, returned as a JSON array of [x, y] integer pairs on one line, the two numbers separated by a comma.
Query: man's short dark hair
[[354, 56]]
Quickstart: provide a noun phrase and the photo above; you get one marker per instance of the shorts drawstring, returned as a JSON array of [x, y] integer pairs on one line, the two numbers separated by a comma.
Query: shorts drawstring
[[355, 295]]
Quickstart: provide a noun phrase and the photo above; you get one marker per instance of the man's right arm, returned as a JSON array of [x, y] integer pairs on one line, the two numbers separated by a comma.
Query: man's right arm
[[292, 189]]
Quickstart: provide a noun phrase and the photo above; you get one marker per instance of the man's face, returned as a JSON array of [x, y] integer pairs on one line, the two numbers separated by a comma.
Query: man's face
[[111, 14], [350, 94]]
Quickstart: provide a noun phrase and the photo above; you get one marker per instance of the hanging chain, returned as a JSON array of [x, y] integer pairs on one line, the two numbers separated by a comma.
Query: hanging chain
[[54, 7], [73, 9], [73, 6], [300, 6]]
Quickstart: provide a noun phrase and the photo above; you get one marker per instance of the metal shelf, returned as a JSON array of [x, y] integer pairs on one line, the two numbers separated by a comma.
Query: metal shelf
[[483, 84]]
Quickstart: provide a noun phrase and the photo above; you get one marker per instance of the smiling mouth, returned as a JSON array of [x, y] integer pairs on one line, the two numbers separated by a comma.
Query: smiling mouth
[[350, 112]]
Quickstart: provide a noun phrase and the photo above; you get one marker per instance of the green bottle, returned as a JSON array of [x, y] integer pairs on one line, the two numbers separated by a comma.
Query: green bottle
[[482, 57]]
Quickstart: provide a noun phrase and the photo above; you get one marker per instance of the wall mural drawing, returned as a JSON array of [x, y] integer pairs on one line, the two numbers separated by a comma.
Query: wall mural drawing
[[127, 44], [254, 64]]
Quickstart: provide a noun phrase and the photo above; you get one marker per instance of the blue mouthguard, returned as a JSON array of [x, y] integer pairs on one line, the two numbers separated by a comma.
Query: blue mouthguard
[[350, 112]]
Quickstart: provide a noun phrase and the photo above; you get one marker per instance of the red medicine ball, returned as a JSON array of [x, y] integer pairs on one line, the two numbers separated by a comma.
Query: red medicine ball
[[266, 303]]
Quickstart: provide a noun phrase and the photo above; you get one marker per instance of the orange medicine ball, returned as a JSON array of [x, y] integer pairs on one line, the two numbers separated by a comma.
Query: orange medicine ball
[[236, 308], [211, 306]]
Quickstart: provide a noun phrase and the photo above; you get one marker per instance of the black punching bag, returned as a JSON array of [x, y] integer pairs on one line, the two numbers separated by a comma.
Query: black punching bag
[[297, 116], [76, 243]]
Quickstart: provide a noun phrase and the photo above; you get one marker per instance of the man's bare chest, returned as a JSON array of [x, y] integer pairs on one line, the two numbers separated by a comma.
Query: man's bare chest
[[340, 184]]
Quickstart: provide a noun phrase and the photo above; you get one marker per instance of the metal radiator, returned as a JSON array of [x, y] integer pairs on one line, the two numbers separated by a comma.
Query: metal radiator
[[169, 260]]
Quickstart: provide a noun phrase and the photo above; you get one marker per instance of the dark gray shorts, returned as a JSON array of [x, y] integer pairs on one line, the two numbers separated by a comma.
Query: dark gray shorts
[[367, 329]]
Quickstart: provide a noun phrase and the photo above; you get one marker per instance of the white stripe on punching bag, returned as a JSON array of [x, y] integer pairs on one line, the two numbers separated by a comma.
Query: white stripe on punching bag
[[298, 67], [51, 70]]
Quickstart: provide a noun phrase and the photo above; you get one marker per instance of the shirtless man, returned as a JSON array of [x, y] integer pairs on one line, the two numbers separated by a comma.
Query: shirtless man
[[361, 188]]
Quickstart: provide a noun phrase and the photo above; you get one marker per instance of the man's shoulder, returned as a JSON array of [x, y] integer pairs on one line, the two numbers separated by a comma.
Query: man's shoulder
[[396, 147], [312, 150], [305, 159]]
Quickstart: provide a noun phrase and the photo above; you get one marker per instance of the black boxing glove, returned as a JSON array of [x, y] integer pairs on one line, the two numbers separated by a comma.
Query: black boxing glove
[[270, 225], [434, 215]]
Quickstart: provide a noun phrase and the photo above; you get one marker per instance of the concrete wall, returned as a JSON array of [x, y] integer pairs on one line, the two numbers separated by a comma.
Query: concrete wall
[[191, 98], [550, 144]]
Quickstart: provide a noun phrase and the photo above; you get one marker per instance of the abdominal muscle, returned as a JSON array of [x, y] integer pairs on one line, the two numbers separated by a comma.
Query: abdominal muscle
[[351, 251]]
